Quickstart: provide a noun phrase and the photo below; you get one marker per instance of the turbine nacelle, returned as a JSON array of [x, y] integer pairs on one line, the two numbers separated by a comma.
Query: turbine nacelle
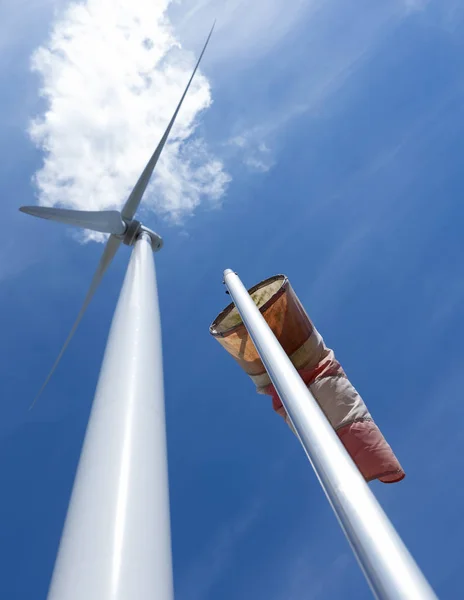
[[135, 229]]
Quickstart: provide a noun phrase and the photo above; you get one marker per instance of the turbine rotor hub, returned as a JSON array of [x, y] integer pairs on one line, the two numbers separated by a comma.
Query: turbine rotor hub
[[135, 229]]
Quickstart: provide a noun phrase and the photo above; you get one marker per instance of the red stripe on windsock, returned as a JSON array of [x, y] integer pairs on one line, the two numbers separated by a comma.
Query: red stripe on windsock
[[370, 451], [349, 417]]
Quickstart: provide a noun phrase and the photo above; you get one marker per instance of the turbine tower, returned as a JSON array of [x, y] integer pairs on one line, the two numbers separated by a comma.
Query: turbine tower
[[116, 541]]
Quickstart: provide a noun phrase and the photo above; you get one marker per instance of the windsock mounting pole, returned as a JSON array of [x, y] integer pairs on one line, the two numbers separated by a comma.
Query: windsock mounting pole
[[387, 564]]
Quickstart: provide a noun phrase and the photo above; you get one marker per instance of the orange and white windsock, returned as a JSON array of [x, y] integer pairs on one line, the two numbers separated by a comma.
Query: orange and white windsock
[[319, 369]]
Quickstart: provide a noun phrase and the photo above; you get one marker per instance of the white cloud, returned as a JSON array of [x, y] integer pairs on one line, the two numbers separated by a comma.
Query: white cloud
[[112, 73]]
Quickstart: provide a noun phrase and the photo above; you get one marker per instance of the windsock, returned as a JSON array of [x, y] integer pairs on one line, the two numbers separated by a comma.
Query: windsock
[[319, 369]]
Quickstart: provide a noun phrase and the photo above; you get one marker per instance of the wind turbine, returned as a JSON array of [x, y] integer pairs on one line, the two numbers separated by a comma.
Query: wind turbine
[[116, 541]]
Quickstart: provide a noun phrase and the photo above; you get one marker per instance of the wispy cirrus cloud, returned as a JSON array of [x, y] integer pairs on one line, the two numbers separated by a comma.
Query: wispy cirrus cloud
[[256, 156], [19, 20], [203, 574], [415, 4], [263, 46], [246, 31], [111, 75]]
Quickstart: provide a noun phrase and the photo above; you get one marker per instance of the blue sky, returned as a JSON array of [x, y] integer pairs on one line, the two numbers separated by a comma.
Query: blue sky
[[340, 126]]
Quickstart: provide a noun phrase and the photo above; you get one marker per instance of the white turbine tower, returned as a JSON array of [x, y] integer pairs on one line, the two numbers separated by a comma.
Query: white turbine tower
[[116, 542]]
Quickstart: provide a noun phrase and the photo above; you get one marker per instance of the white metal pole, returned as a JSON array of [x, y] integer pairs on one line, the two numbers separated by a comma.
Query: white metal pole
[[387, 564], [116, 541]]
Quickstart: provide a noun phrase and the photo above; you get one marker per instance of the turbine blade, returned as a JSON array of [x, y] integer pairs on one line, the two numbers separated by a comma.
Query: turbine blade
[[106, 221], [110, 250], [136, 195]]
